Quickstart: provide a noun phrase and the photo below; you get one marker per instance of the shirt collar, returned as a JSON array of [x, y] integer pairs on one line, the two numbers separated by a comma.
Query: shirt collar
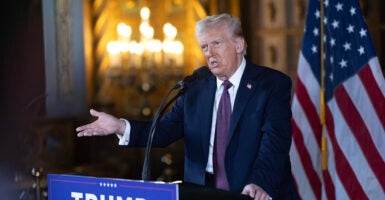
[[235, 79]]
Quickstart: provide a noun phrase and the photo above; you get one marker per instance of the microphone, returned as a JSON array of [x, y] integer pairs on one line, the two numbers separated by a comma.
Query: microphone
[[198, 74]]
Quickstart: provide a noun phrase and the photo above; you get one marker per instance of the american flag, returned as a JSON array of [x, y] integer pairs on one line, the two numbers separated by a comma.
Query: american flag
[[355, 107]]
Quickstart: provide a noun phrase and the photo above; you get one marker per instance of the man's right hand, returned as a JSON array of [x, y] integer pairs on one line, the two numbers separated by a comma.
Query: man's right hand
[[105, 124]]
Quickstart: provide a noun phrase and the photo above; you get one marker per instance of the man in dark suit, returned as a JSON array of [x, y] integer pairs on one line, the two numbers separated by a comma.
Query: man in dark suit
[[255, 158]]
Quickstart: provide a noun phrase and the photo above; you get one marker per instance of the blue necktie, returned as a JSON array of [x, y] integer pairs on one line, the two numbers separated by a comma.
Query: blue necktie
[[222, 131]]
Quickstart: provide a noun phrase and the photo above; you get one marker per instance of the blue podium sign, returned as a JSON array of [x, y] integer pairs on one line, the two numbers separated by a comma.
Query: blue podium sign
[[92, 188]]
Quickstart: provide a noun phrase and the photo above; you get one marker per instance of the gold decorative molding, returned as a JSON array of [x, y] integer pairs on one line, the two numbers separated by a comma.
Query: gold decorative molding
[[271, 11], [100, 19], [300, 10], [64, 48], [278, 32], [65, 57]]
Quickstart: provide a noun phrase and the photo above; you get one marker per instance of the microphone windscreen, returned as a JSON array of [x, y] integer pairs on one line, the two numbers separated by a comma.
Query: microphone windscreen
[[199, 73]]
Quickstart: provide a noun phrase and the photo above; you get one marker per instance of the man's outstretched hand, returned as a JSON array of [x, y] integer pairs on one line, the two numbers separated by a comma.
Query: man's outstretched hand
[[105, 124]]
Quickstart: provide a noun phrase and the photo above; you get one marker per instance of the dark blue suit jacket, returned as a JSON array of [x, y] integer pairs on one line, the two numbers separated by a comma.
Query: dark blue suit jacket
[[260, 131]]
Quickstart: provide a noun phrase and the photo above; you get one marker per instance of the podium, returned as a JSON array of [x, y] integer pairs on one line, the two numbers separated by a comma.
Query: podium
[[94, 188]]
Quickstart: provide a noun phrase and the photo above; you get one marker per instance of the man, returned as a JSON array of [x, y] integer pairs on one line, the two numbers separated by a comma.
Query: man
[[254, 159]]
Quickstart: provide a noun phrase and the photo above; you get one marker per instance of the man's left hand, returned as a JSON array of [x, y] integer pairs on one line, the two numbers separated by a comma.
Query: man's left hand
[[256, 192]]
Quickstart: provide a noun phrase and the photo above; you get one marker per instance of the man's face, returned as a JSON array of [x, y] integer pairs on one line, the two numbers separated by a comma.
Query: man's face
[[222, 53]]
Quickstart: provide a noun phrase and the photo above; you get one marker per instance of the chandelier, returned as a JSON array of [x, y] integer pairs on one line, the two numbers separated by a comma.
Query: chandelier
[[147, 51], [143, 67]]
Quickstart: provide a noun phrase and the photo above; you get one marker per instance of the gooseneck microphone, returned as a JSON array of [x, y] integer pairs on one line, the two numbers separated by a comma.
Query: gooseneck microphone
[[197, 74], [182, 85]]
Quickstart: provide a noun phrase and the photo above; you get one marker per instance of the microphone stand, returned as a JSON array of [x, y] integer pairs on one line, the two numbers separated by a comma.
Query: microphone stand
[[154, 125]]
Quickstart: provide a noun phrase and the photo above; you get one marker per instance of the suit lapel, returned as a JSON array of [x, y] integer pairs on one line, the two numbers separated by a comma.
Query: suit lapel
[[246, 89], [206, 104]]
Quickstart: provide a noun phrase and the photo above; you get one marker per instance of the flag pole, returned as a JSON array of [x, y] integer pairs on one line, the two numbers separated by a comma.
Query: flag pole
[[322, 94]]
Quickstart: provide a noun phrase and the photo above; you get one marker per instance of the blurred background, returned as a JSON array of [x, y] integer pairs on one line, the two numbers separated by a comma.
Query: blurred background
[[59, 58]]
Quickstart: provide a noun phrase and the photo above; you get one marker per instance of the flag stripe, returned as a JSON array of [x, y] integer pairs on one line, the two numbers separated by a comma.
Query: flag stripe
[[377, 74], [310, 112], [361, 134], [360, 97], [301, 182], [338, 186], [305, 158], [376, 96], [355, 157], [343, 168], [307, 77], [329, 186], [304, 127]]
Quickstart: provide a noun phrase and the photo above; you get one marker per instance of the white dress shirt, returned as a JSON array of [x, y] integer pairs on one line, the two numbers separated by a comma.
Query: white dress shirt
[[235, 79]]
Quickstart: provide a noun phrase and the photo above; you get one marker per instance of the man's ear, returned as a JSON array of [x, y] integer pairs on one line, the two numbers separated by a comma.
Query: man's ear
[[240, 44]]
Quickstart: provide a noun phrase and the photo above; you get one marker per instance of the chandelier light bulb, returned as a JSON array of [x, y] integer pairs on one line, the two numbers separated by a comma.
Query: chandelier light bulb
[[146, 30], [145, 13], [124, 30], [169, 30], [113, 47]]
